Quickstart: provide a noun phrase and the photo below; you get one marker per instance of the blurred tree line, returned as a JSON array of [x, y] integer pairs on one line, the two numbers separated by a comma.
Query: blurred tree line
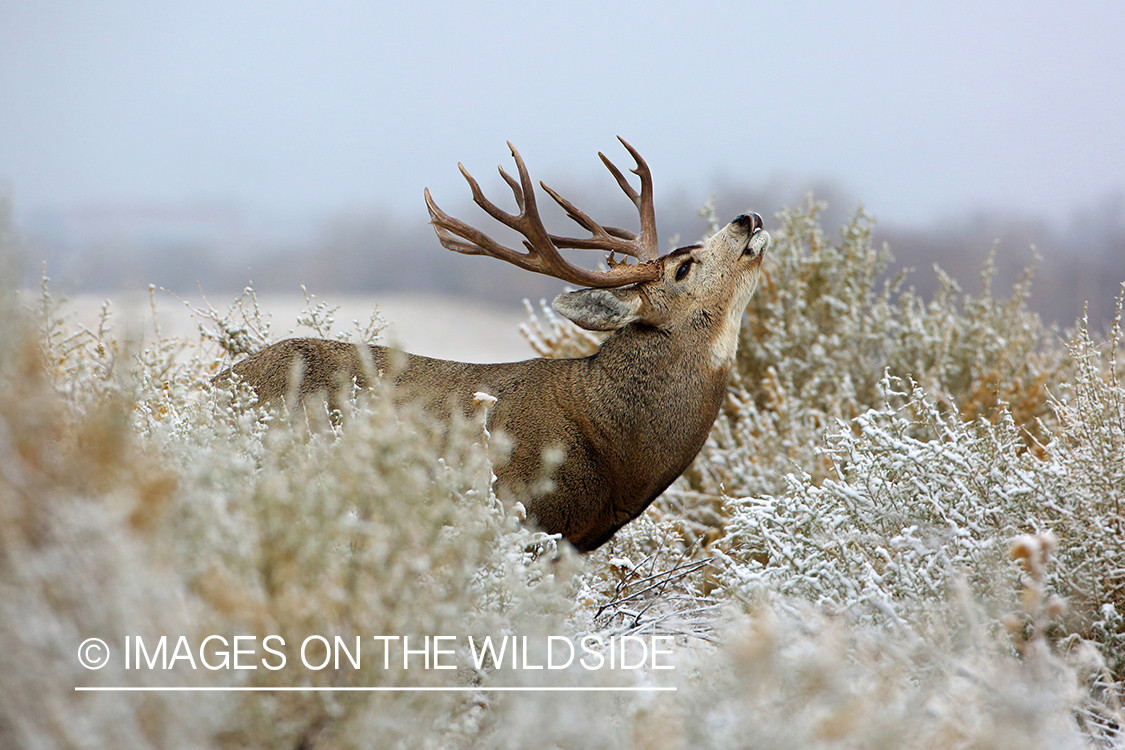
[[371, 251]]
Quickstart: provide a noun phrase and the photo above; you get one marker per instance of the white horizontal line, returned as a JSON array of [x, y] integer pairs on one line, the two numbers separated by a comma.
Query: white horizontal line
[[367, 689]]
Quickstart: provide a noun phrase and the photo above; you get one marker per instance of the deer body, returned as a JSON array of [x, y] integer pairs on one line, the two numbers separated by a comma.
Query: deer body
[[617, 427]]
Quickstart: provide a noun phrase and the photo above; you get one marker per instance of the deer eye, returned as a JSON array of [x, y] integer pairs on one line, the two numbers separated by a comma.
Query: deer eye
[[682, 271]]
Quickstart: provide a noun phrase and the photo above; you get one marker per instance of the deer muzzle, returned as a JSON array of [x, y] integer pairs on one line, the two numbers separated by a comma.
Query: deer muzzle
[[752, 222], [758, 240]]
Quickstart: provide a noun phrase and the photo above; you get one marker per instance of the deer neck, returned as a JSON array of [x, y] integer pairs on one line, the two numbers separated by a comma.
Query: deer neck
[[651, 383]]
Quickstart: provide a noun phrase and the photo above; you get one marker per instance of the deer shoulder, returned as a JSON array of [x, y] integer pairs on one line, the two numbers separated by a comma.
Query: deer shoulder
[[596, 439]]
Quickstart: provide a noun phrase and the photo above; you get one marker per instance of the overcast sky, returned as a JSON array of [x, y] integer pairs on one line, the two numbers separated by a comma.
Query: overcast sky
[[918, 109]]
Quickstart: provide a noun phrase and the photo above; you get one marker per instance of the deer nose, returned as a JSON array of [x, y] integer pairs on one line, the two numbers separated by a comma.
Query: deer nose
[[750, 221]]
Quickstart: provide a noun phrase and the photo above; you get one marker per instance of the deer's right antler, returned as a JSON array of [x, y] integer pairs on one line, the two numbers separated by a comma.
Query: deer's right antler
[[542, 254]]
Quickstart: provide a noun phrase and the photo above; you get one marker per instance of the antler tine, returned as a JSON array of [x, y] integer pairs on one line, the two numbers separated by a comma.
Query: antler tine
[[605, 238], [647, 239], [450, 232], [526, 187], [517, 191], [491, 208], [624, 183], [542, 254], [643, 246]]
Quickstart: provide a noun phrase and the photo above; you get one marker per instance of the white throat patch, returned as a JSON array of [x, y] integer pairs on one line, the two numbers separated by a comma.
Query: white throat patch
[[725, 345]]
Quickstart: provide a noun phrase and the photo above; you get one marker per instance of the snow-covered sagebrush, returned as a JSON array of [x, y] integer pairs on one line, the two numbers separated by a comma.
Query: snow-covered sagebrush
[[905, 531]]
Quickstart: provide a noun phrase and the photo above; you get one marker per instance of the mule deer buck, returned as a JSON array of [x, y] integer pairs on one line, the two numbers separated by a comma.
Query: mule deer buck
[[628, 419]]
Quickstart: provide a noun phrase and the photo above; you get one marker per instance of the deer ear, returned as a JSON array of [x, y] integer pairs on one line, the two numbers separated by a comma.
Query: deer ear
[[600, 309]]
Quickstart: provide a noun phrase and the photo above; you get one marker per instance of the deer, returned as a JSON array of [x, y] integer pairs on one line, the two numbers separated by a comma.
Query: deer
[[608, 432]]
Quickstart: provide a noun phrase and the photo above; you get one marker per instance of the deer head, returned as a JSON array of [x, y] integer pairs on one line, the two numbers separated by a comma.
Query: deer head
[[700, 289], [697, 287]]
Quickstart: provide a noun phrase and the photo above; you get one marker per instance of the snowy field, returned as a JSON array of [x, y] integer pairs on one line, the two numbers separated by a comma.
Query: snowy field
[[435, 326]]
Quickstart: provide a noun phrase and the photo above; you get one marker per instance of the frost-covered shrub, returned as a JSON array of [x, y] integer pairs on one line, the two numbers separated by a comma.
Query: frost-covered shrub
[[79, 557], [788, 676], [780, 673], [835, 571], [136, 502], [920, 496], [827, 323], [1084, 487]]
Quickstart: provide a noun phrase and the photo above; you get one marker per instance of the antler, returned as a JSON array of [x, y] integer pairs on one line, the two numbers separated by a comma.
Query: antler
[[542, 254]]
